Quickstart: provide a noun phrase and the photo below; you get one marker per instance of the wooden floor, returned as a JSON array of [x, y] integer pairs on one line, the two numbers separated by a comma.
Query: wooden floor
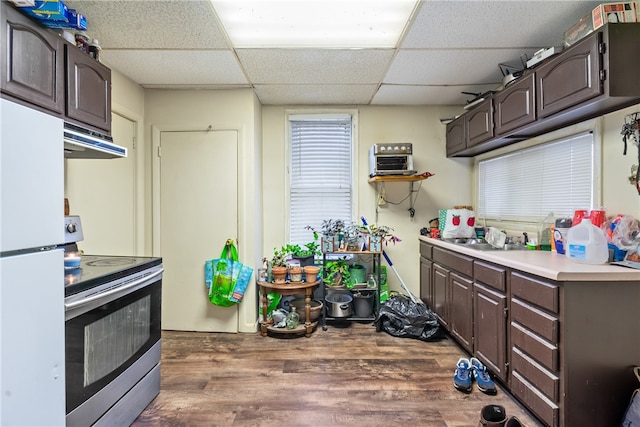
[[345, 376]]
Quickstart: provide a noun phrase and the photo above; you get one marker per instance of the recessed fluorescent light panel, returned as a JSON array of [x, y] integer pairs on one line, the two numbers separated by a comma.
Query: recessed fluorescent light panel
[[312, 23]]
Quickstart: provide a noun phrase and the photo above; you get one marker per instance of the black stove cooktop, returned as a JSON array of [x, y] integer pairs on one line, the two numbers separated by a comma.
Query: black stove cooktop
[[96, 270]]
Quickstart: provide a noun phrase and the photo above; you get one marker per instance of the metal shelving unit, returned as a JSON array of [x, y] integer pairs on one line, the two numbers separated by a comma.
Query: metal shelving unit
[[376, 262]]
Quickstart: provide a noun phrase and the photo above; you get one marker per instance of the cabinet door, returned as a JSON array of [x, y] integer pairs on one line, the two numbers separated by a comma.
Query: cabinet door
[[480, 123], [426, 281], [32, 61], [570, 78], [456, 136], [515, 106], [440, 297], [88, 90], [490, 325], [461, 310]]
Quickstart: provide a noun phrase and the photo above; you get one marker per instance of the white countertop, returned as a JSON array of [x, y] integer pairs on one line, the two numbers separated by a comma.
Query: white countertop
[[545, 264]]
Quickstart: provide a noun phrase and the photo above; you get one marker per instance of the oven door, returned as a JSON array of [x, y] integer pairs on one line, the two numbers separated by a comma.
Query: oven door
[[122, 334]]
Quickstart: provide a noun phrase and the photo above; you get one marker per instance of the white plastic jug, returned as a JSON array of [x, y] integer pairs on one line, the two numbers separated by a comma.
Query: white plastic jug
[[587, 244]]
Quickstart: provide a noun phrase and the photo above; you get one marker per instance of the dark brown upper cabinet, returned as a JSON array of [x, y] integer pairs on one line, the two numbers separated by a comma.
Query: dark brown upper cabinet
[[591, 78], [515, 106], [32, 61]]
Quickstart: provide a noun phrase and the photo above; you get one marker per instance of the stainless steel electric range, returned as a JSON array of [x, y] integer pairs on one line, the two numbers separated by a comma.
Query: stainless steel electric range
[[112, 335]]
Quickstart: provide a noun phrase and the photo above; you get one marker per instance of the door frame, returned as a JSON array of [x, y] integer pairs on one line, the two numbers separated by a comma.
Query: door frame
[[248, 309], [139, 245]]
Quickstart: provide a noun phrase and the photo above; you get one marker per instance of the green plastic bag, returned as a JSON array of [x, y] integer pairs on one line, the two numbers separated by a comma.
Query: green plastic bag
[[226, 277]]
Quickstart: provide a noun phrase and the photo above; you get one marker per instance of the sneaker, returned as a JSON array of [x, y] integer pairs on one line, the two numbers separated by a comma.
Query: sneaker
[[482, 377], [462, 377]]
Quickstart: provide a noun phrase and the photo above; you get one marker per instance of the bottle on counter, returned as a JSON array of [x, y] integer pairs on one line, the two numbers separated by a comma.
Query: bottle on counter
[[587, 243], [293, 318], [546, 232], [94, 49]]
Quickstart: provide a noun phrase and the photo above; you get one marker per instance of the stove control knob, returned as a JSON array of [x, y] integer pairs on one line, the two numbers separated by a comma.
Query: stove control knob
[[71, 228]]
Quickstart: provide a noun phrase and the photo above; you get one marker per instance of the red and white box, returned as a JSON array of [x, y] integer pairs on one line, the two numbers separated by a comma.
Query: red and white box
[[622, 12]]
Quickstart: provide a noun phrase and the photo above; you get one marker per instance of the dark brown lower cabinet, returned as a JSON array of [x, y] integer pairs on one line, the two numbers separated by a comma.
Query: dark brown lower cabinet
[[564, 349], [489, 331], [461, 310], [441, 294]]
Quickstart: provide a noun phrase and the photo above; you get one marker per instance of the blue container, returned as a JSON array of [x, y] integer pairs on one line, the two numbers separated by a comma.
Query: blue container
[[618, 254]]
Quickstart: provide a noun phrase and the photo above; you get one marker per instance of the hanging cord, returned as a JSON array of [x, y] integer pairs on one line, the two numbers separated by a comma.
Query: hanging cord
[[408, 195]]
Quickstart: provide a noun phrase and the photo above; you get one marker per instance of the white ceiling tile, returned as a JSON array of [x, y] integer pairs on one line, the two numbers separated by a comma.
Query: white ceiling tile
[[507, 24], [427, 95], [451, 66], [303, 66], [450, 47], [189, 67], [314, 94], [136, 24]]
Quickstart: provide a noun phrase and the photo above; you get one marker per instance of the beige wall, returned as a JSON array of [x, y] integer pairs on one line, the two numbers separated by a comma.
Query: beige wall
[[618, 195], [235, 109], [127, 99], [418, 125], [263, 186]]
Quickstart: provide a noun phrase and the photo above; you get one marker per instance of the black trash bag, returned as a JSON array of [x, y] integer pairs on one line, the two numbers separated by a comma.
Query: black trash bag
[[401, 317]]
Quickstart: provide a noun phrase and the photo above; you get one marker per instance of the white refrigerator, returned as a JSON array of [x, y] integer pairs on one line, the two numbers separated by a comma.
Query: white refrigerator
[[32, 361]]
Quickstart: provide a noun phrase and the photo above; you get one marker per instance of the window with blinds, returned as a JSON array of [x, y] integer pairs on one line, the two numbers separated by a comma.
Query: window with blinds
[[321, 171], [527, 185]]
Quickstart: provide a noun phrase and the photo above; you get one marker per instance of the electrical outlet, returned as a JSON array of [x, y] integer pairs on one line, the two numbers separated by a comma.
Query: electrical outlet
[[381, 201]]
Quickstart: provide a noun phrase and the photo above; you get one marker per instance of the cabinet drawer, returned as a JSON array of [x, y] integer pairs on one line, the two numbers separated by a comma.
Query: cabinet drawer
[[542, 294], [426, 250], [541, 350], [534, 319], [540, 405], [490, 275], [460, 263], [542, 379]]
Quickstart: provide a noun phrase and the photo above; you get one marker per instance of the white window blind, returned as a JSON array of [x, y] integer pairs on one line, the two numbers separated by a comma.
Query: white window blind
[[320, 172], [527, 185]]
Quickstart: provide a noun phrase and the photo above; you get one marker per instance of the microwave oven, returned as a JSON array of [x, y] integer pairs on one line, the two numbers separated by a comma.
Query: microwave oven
[[391, 159]]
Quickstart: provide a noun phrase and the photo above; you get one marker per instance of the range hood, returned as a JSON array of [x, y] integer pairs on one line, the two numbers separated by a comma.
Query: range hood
[[81, 143]]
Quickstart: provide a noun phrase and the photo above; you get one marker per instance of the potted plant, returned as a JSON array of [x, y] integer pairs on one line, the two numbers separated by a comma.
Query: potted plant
[[279, 265], [353, 237], [332, 234], [336, 273], [379, 235], [305, 254]]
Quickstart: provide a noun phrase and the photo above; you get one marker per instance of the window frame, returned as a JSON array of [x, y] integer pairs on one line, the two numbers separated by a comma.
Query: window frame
[[591, 126], [319, 113]]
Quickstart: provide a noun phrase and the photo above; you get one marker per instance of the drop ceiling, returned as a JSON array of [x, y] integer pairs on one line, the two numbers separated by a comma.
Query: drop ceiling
[[448, 47]]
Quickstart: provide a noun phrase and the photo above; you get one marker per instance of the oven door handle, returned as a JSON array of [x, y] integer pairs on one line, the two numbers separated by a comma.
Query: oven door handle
[[101, 295]]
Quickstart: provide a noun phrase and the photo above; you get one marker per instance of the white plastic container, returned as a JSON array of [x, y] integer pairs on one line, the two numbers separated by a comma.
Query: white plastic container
[[587, 244]]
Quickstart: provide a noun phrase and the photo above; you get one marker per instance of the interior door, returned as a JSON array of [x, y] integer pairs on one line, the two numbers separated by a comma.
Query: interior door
[[198, 213], [103, 192]]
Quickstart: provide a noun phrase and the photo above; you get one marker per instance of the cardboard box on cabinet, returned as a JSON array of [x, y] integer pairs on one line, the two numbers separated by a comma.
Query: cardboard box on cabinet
[[622, 12], [54, 10]]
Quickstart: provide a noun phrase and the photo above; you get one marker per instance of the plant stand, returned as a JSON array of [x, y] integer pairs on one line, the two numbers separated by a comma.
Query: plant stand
[[288, 289], [324, 318]]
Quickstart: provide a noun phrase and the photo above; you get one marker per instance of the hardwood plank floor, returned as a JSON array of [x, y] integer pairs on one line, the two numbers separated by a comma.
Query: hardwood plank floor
[[345, 376]]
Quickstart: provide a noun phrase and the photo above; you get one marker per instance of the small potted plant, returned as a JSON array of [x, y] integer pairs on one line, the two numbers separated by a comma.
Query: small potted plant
[[332, 234], [379, 235], [336, 273], [279, 265], [353, 237]]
